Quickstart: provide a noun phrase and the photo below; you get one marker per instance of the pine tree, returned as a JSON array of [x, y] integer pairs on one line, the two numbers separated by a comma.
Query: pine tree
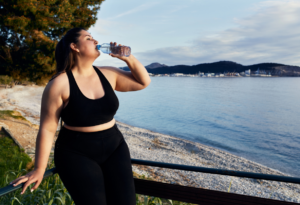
[[30, 30]]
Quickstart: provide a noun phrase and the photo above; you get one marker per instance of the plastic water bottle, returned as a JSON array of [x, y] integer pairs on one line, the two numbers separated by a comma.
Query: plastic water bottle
[[117, 50]]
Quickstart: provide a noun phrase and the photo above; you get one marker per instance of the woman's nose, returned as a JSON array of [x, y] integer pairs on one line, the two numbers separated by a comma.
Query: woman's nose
[[96, 42]]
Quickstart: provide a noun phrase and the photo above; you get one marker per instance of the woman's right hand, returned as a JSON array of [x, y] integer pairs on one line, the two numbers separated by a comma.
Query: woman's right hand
[[35, 176]]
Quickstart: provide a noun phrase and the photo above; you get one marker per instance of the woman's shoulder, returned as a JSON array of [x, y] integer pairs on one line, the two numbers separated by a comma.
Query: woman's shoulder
[[59, 78], [109, 73], [58, 83], [107, 70]]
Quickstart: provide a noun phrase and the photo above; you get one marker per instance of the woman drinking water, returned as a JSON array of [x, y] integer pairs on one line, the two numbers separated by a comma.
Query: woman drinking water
[[91, 156]]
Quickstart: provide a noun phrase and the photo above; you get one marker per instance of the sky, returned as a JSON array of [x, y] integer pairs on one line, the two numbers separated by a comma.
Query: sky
[[192, 32]]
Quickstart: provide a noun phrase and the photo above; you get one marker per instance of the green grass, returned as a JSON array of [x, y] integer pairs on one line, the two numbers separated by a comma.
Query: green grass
[[51, 191], [11, 113], [11, 156]]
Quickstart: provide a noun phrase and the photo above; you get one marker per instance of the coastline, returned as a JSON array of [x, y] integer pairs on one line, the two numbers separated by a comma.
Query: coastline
[[169, 149], [192, 146]]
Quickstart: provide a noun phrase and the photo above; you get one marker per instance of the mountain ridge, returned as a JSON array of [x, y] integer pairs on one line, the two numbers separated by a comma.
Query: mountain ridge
[[219, 67]]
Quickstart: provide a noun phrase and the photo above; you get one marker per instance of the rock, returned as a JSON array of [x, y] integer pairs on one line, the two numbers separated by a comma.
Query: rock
[[3, 125], [34, 126]]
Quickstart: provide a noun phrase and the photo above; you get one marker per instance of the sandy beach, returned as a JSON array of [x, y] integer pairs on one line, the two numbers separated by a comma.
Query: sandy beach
[[148, 145]]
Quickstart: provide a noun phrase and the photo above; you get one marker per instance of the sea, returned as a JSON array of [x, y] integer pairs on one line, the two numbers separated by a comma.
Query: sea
[[257, 118]]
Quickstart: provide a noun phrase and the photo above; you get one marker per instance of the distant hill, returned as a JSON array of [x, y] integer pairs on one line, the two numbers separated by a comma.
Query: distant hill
[[155, 65], [219, 67], [151, 66]]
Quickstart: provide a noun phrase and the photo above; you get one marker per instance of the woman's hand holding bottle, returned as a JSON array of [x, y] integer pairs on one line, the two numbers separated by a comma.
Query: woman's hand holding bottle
[[114, 50], [119, 51], [35, 176]]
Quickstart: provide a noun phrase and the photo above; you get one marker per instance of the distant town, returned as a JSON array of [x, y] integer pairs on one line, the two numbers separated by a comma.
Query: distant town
[[247, 73]]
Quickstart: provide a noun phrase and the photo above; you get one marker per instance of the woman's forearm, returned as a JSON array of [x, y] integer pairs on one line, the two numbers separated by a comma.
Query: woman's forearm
[[43, 147], [138, 70]]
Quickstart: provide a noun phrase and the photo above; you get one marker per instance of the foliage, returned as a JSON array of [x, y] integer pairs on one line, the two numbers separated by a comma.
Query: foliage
[[30, 30], [11, 158], [51, 191], [5, 79]]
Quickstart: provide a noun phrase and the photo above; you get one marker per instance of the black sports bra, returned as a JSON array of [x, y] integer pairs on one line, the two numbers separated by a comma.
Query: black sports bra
[[82, 111]]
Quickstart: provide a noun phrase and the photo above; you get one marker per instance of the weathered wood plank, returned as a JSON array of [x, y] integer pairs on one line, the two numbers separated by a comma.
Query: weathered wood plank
[[199, 195]]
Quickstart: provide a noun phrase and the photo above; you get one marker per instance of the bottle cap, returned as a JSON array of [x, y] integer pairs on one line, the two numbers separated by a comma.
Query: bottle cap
[[98, 47]]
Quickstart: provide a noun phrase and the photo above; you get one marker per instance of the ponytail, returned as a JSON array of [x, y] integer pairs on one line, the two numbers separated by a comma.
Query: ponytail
[[64, 57]]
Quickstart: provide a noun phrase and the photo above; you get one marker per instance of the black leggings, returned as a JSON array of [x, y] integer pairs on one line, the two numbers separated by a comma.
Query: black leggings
[[95, 167]]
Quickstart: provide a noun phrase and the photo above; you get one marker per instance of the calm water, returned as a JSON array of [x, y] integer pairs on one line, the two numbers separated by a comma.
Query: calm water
[[256, 118]]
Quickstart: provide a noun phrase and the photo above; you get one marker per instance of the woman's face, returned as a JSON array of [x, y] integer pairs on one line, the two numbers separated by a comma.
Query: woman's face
[[86, 46]]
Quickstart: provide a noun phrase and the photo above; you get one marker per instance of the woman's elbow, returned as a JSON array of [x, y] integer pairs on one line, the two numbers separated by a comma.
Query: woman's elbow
[[147, 83]]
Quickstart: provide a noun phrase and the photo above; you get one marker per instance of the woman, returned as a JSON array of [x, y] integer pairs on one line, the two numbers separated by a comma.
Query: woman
[[90, 156]]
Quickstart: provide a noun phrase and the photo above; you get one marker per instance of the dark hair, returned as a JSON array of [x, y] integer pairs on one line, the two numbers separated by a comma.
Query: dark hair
[[64, 56]]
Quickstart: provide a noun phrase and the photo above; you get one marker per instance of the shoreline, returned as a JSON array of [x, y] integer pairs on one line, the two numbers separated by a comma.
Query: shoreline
[[169, 149], [122, 125]]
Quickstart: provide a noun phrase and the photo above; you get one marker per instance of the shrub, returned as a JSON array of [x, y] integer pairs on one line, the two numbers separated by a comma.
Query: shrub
[[5, 79]]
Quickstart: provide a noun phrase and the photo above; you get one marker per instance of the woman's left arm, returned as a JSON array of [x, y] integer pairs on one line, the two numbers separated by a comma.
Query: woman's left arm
[[137, 79], [138, 70]]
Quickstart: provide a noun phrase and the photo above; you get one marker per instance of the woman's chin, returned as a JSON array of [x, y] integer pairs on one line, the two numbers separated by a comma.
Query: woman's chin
[[97, 54]]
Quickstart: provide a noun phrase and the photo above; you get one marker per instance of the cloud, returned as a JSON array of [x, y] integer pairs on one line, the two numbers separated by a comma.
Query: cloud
[[134, 10], [271, 34], [177, 8], [107, 27]]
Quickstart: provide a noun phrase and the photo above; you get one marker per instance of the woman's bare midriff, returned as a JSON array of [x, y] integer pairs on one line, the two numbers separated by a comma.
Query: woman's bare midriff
[[95, 128]]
